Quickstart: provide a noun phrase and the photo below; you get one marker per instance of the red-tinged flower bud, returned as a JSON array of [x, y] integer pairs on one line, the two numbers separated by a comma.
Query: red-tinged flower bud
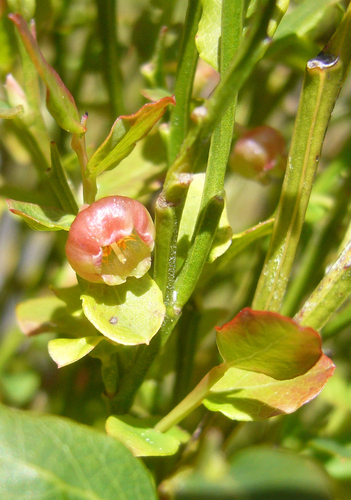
[[111, 240], [259, 154]]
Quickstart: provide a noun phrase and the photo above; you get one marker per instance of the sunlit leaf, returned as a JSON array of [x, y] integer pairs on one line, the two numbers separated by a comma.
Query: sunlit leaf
[[67, 351], [223, 236], [128, 314], [50, 314], [303, 18], [266, 342], [59, 101], [50, 457], [141, 173], [41, 218], [143, 441], [243, 395], [125, 133], [208, 35]]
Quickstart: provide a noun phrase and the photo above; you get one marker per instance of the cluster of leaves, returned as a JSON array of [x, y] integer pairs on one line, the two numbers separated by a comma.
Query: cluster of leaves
[[153, 336]]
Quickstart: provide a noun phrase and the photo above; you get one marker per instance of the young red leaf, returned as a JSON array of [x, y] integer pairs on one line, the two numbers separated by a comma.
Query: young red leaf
[[124, 134], [59, 100], [243, 395], [266, 342]]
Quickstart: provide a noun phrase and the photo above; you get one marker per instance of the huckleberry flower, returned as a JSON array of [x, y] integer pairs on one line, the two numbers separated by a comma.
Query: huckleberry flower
[[110, 240]]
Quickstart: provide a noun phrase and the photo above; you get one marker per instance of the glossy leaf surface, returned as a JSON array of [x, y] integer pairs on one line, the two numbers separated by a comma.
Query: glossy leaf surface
[[67, 351], [52, 458], [243, 395], [128, 314], [268, 343], [143, 441], [41, 218], [125, 133]]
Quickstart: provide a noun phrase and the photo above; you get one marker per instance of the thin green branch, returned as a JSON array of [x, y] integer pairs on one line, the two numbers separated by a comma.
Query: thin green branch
[[323, 80]]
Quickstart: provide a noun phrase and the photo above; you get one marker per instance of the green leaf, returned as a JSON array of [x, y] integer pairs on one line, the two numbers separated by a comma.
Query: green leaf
[[41, 218], [141, 439], [304, 18], [207, 37], [67, 351], [268, 343], [243, 395], [256, 473], [50, 314], [59, 101], [8, 113], [54, 458], [128, 314], [141, 171], [125, 133], [222, 240]]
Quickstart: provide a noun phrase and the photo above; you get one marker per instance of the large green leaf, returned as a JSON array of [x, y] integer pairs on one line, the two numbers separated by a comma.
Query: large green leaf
[[54, 458], [41, 218], [143, 441], [266, 342], [243, 395], [128, 314], [125, 133], [59, 101]]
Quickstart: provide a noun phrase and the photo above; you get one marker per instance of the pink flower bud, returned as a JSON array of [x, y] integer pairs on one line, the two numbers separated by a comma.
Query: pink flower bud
[[111, 240], [259, 154]]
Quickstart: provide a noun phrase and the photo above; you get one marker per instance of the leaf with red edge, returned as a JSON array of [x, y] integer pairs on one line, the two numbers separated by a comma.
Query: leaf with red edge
[[59, 100], [266, 342], [243, 395], [124, 134], [41, 218]]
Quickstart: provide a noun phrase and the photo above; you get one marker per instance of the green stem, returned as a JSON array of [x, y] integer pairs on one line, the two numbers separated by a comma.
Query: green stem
[[329, 295], [59, 183], [111, 59], [323, 238], [184, 82], [175, 188], [192, 400], [250, 52], [79, 147], [323, 80]]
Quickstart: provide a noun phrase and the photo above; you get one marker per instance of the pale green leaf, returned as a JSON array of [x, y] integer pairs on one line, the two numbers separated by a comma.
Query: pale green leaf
[[41, 218], [244, 395], [207, 38], [8, 113], [50, 314], [128, 314], [67, 351], [222, 240], [141, 439]]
